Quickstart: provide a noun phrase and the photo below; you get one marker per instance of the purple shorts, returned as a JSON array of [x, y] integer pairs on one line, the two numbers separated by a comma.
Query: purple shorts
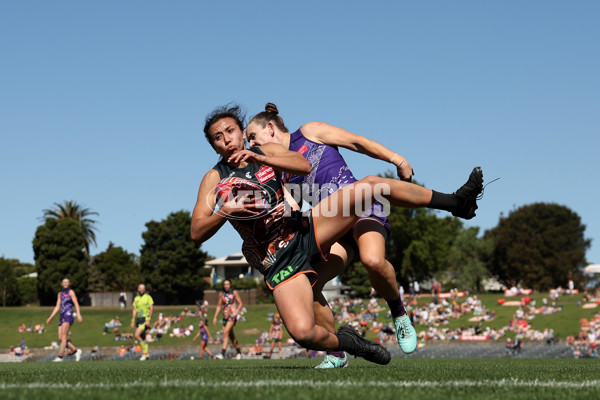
[[66, 318], [377, 214]]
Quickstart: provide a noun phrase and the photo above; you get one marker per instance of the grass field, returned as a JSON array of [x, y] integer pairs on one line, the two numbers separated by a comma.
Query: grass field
[[296, 379], [89, 333]]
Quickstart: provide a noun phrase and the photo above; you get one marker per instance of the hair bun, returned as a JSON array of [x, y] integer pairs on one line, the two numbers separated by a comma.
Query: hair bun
[[271, 108]]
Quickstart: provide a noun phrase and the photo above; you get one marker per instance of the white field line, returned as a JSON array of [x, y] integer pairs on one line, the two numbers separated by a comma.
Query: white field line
[[501, 383]]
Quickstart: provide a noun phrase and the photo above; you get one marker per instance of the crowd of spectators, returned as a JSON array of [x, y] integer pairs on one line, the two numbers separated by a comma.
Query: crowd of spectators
[[37, 328], [431, 316], [585, 343]]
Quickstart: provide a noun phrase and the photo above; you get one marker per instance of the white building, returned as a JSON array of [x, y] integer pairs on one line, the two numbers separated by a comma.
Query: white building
[[235, 265], [230, 267]]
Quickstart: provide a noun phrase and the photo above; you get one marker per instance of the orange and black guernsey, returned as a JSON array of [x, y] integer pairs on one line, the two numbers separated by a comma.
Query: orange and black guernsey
[[278, 242]]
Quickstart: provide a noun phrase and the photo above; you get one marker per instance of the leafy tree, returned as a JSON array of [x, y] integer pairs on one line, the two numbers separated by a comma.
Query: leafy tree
[[21, 268], [96, 279], [58, 252], [9, 287], [72, 210], [356, 276], [119, 269], [467, 259], [540, 245], [28, 290], [170, 261], [419, 243]]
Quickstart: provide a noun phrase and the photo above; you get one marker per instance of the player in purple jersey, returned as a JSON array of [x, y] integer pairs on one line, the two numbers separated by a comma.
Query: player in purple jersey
[[204, 333], [284, 245], [318, 143], [65, 302]]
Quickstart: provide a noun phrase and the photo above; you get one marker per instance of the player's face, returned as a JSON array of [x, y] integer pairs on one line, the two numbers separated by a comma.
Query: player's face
[[227, 137], [65, 283], [227, 286], [141, 289], [257, 136]]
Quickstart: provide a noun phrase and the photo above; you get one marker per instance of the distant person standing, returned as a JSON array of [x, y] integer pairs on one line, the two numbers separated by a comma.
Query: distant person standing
[[65, 302], [276, 334], [123, 299], [231, 304], [143, 308], [571, 286], [205, 333]]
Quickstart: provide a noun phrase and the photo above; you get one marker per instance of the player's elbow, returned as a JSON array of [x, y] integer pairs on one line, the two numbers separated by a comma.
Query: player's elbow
[[197, 235], [303, 167]]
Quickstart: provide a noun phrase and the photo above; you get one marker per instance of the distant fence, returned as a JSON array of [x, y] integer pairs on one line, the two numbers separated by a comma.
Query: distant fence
[[105, 299], [111, 299]]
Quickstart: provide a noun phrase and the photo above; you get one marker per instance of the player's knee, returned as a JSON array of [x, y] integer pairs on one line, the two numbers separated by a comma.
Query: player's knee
[[303, 334], [373, 263]]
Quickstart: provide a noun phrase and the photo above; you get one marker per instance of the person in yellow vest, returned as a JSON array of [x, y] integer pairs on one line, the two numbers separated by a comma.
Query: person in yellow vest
[[143, 308]]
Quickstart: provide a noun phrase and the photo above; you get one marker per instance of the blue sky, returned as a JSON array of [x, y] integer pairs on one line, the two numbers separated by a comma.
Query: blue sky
[[104, 102]]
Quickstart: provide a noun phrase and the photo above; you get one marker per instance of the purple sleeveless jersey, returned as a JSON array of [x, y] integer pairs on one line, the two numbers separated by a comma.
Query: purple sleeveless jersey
[[329, 172], [66, 308]]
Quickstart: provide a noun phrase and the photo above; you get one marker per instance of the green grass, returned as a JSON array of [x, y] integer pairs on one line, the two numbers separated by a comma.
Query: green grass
[[564, 323], [296, 379], [89, 333]]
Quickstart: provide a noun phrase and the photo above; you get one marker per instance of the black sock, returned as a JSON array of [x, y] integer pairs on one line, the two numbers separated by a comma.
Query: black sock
[[239, 351], [346, 344], [223, 352], [442, 201], [396, 307]]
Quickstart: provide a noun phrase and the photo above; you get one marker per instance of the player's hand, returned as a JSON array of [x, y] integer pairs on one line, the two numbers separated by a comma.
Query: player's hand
[[241, 206], [48, 320], [131, 324], [246, 155], [214, 321], [79, 318], [405, 171]]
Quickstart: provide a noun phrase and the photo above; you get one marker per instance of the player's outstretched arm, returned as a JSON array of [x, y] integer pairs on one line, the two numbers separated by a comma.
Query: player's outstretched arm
[[277, 157], [321, 132]]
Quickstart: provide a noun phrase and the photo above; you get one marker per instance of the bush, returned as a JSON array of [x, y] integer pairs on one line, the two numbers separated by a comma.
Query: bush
[[28, 290]]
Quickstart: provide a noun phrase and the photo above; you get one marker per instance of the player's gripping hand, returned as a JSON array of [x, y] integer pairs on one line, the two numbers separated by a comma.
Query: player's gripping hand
[[405, 171]]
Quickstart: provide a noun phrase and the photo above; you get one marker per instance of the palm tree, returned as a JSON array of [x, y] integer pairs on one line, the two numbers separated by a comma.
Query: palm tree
[[71, 209]]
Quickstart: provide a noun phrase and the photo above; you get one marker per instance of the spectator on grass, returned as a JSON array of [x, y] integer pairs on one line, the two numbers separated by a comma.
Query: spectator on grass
[[509, 346], [123, 299]]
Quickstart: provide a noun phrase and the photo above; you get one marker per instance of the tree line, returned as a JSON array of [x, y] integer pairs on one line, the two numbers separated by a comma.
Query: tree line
[[539, 246]]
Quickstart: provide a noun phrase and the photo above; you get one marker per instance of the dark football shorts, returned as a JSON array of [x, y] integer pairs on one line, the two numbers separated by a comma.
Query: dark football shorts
[[298, 254]]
